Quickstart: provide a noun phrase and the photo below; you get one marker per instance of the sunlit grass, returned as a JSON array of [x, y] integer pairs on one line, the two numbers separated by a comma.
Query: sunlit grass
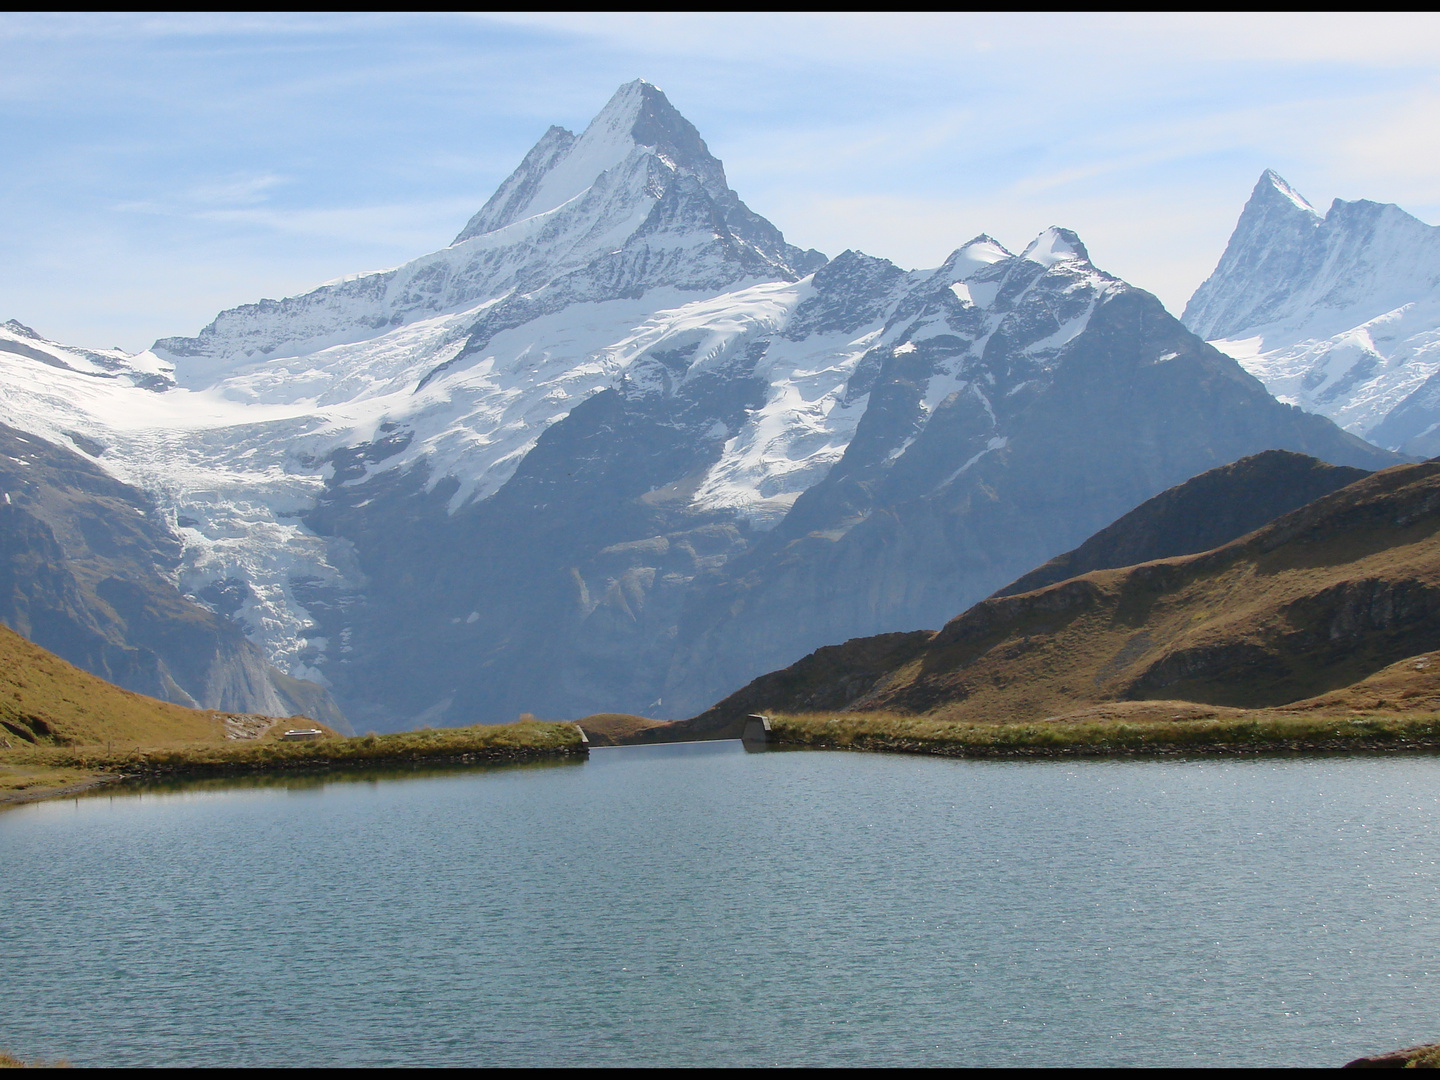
[[39, 767], [1250, 730]]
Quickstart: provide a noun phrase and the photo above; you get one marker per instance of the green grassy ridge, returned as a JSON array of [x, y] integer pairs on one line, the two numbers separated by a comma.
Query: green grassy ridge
[[502, 742], [1221, 734]]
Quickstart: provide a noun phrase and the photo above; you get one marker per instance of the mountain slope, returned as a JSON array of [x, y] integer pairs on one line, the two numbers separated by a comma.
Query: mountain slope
[[1203, 513], [44, 699], [85, 571], [1317, 601], [996, 437], [1336, 313]]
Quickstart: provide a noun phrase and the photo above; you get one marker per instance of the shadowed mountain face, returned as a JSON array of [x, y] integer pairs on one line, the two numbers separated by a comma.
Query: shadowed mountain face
[[1204, 512], [86, 567], [1319, 599], [993, 437]]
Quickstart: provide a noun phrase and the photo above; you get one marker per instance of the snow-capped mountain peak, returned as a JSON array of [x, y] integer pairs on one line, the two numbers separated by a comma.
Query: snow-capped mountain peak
[[1055, 245], [636, 202], [562, 167], [972, 257], [1272, 183], [1335, 313]]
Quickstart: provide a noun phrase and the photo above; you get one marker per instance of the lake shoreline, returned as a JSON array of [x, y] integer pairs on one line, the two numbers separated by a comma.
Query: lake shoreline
[[1132, 735], [75, 770], [922, 747]]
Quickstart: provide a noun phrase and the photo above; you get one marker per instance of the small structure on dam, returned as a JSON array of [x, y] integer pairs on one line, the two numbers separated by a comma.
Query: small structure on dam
[[757, 729]]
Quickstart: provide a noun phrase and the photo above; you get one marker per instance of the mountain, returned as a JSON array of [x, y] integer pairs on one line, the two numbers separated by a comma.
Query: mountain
[[1322, 599], [1203, 513], [86, 566], [635, 203], [620, 447], [1336, 313]]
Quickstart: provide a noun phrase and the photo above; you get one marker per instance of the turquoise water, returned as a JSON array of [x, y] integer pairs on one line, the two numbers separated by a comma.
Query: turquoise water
[[698, 905]]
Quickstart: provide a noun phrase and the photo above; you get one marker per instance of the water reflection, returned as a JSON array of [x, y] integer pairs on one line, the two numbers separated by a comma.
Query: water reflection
[[319, 779]]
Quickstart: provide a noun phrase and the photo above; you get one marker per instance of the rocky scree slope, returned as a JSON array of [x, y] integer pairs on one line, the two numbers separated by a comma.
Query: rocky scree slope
[[1337, 313]]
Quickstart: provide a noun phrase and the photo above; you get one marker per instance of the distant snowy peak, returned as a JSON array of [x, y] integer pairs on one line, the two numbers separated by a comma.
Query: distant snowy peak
[[562, 167], [1056, 245], [1287, 265], [1336, 313], [636, 202]]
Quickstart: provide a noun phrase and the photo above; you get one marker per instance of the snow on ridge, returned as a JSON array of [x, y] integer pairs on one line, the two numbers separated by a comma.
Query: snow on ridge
[[605, 143], [138, 369], [1279, 183]]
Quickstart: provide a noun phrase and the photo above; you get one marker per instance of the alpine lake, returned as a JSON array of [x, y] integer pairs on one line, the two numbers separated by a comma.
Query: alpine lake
[[704, 905]]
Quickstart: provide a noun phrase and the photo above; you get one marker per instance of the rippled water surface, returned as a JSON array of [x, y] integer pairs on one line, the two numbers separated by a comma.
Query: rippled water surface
[[698, 905]]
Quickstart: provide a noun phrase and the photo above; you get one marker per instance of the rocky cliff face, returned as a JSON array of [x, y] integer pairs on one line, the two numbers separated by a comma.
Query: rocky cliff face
[[1335, 313]]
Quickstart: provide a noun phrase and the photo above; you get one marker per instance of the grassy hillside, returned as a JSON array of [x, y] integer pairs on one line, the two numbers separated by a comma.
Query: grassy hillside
[[62, 729], [1319, 599], [1312, 617], [1397, 708], [48, 701], [1203, 513]]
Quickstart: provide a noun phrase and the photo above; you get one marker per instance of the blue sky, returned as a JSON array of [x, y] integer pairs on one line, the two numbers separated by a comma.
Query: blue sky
[[161, 168]]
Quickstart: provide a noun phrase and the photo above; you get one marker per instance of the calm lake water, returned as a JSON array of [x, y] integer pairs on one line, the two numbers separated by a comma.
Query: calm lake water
[[698, 905]]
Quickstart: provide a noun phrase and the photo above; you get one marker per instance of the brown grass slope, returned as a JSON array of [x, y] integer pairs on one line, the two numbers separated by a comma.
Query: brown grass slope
[[1317, 600], [829, 678], [63, 730], [47, 700], [1202, 513], [1324, 612]]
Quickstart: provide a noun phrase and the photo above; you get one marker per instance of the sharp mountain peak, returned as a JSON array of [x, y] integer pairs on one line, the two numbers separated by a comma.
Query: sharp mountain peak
[[561, 165]]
